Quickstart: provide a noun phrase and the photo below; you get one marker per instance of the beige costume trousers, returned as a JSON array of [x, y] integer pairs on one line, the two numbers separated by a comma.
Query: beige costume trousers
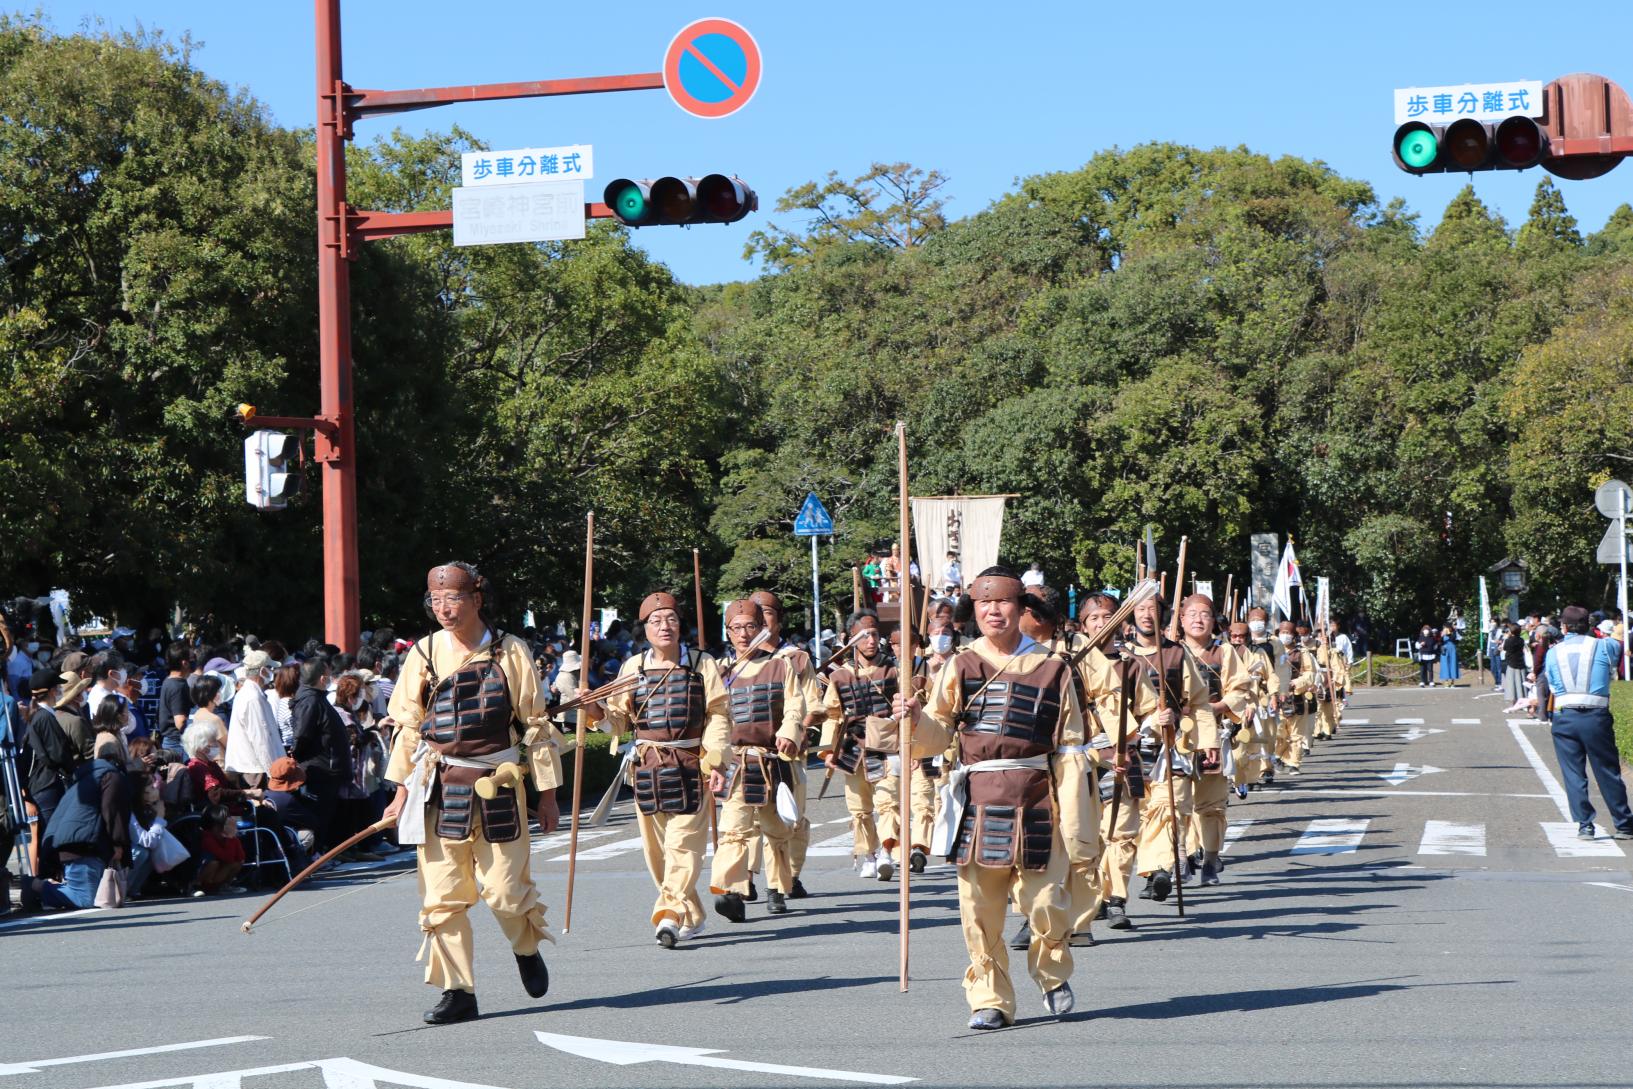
[[673, 845], [983, 901], [741, 827], [1157, 825]]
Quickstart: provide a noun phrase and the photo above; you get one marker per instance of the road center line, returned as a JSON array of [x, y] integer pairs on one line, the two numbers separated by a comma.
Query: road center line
[[1549, 783]]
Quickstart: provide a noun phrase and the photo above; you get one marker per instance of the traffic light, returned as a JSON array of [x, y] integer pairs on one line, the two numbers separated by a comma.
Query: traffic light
[[269, 477], [1467, 145], [660, 202]]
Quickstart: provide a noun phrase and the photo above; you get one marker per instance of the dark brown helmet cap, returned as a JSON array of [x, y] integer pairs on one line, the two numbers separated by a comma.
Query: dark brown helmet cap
[[658, 599]]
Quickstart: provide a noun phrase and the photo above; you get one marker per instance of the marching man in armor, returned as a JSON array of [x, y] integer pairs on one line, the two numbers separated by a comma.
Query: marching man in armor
[[678, 715], [1011, 707], [765, 703], [464, 696], [1295, 680], [1230, 692]]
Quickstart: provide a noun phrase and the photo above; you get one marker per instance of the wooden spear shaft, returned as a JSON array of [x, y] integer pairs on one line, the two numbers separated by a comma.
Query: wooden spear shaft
[[697, 595], [904, 675], [1179, 592], [583, 715]]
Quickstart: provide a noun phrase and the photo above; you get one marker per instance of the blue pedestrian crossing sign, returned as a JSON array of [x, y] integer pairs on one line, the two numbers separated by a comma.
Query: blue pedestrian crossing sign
[[813, 519]]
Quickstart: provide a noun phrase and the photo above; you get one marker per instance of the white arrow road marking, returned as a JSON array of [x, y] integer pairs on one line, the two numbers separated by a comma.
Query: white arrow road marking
[[1549, 783], [1418, 733], [1447, 838], [628, 1053], [1331, 837], [1562, 837], [337, 1074], [1405, 773], [1611, 885], [564, 839], [606, 850], [1233, 832], [34, 1066]]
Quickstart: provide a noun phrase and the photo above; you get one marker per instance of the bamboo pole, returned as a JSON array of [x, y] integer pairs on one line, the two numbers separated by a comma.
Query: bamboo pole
[[904, 673], [583, 715]]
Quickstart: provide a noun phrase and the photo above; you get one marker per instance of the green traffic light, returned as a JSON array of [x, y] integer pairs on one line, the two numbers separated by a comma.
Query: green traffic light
[[630, 205], [1418, 148]]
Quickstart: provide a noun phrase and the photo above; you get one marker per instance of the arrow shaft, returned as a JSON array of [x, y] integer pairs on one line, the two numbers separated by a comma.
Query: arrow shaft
[[790, 1071]]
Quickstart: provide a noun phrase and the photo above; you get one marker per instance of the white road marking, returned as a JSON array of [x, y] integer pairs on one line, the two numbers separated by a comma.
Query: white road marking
[[1549, 783], [1409, 722], [562, 839], [1331, 837], [1447, 838], [1347, 721], [1366, 792], [834, 847], [629, 1053], [339, 1073], [1562, 836], [1418, 733], [1465, 722], [606, 850], [34, 1066], [35, 920], [1526, 722], [1611, 885], [1233, 832], [1405, 773]]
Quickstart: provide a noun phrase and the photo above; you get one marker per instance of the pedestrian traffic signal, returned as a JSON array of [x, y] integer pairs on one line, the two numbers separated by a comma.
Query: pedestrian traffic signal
[[658, 202], [1467, 145], [270, 478]]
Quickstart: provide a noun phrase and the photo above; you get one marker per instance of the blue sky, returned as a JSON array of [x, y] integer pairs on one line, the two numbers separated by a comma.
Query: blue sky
[[984, 92]]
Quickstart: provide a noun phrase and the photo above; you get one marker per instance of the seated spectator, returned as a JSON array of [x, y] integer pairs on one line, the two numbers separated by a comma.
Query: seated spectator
[[285, 792], [221, 854], [204, 749], [153, 849], [89, 832], [286, 682]]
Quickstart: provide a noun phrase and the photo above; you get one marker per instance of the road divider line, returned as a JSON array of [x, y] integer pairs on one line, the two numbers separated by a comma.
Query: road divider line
[[1549, 783]]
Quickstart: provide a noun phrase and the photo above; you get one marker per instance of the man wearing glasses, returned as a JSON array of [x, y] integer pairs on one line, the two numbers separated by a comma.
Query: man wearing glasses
[[766, 704], [678, 716], [1230, 693], [465, 693]]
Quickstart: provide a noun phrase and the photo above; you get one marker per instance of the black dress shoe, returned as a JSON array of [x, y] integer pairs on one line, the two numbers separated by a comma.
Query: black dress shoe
[[1104, 910], [1082, 940], [455, 1006], [729, 906], [1193, 863], [798, 891], [916, 861], [775, 903], [1149, 893], [1023, 937], [753, 893], [1117, 915], [1162, 883], [1210, 873], [985, 1020], [535, 976]]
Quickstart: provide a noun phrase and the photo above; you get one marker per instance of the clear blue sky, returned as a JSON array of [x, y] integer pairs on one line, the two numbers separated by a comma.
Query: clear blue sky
[[984, 92]]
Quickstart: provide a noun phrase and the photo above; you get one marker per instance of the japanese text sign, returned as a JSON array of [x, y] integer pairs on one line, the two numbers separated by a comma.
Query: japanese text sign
[[1479, 101]]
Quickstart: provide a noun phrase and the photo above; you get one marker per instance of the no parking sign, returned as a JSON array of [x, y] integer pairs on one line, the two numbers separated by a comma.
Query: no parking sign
[[712, 68]]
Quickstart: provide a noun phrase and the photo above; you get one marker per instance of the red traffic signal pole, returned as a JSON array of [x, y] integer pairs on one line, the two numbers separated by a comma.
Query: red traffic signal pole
[[341, 229]]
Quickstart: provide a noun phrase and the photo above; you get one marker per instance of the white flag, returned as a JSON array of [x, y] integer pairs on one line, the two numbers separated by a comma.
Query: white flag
[[1286, 579]]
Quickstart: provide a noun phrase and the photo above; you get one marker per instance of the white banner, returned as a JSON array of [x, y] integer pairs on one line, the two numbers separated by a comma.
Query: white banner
[[968, 527], [1286, 579]]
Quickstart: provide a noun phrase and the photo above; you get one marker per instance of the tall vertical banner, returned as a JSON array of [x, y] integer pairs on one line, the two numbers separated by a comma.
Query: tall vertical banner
[[966, 526], [1287, 577], [1485, 616], [1263, 548]]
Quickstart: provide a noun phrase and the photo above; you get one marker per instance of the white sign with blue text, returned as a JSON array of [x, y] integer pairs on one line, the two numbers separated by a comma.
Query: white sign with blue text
[[549, 211], [576, 162], [1477, 101]]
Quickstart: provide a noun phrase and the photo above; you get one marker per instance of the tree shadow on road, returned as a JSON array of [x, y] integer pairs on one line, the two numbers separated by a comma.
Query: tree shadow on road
[[1250, 1001]]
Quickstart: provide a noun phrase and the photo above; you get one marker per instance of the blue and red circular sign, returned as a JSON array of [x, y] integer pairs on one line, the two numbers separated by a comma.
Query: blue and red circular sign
[[712, 68]]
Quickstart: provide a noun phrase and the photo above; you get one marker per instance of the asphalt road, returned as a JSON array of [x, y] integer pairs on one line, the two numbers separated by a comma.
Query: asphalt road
[[1427, 932]]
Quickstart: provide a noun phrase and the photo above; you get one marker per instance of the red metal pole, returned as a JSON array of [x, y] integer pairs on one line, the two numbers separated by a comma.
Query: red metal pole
[[342, 620]]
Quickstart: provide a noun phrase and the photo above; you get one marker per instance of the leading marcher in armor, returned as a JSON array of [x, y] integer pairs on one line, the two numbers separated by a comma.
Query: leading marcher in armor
[[677, 714], [466, 696], [1011, 707], [1224, 669]]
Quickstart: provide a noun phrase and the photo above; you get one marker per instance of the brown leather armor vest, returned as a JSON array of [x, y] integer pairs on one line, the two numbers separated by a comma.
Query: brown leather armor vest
[[861, 697], [1010, 817], [757, 706], [1210, 663], [671, 703], [469, 715]]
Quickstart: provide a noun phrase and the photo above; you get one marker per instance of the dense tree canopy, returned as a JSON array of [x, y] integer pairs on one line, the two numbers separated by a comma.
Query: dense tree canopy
[[1211, 342]]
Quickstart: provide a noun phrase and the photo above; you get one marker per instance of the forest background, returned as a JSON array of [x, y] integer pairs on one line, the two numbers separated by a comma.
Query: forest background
[[1206, 341]]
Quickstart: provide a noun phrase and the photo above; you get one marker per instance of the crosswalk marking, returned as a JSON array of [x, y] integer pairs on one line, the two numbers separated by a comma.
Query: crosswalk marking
[[1331, 837], [1450, 838], [1233, 832], [834, 847], [562, 839], [1465, 722], [1562, 835], [1347, 721], [606, 850]]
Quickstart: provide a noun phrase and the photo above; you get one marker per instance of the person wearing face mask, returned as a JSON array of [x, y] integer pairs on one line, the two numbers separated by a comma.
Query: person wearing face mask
[[677, 718], [1332, 678], [1295, 674], [253, 740], [1225, 669], [108, 676], [859, 735], [1265, 648], [1168, 743], [1011, 706]]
